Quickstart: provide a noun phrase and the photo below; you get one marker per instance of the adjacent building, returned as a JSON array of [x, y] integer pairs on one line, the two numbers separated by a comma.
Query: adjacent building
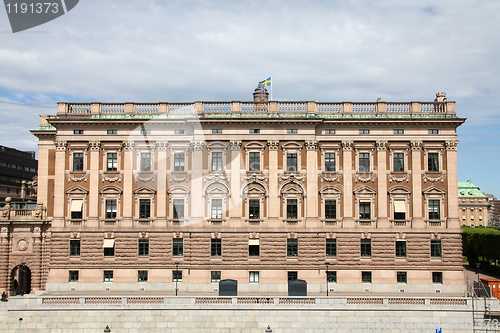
[[474, 205], [18, 170], [350, 197]]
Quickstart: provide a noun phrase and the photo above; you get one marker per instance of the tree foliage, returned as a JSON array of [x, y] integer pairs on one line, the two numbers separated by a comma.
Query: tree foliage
[[480, 242]]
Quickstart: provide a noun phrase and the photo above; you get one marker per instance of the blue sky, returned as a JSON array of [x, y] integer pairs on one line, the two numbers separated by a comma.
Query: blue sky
[[150, 51]]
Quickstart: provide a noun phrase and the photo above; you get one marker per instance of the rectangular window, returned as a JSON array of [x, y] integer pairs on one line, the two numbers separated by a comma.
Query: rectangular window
[[216, 247], [217, 161], [254, 161], [179, 131], [331, 247], [143, 247], [292, 276], [145, 162], [330, 162], [292, 131], [329, 131], [217, 209], [254, 277], [433, 131], [401, 277], [178, 209], [399, 162], [254, 209], [142, 276], [364, 210], [144, 208], [177, 247], [435, 248], [400, 249], [330, 209], [253, 248], [433, 162], [364, 131], [366, 247], [291, 209], [215, 276], [399, 131], [109, 247], [76, 209], [292, 247], [254, 131], [111, 132], [216, 131], [291, 162], [78, 132], [145, 132], [112, 162], [77, 161], [434, 210], [74, 247], [364, 162], [437, 277], [366, 277], [111, 209], [399, 210], [179, 162], [108, 276], [331, 276], [176, 276], [73, 276]]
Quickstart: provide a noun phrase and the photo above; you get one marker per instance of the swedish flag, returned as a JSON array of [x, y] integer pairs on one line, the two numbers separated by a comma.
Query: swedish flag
[[266, 82]]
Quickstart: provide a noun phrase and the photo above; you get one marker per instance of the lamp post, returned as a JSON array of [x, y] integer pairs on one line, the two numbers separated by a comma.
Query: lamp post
[[268, 329], [176, 276], [327, 278], [107, 330]]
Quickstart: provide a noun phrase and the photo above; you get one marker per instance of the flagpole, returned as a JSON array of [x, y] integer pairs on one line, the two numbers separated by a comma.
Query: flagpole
[[271, 88]]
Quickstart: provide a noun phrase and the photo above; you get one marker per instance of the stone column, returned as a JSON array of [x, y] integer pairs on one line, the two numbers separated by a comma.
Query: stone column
[[416, 171], [93, 198], [59, 182], [128, 184], [4, 257], [274, 200], [197, 205], [43, 172], [235, 185], [348, 218], [161, 191], [453, 220], [312, 194], [382, 213]]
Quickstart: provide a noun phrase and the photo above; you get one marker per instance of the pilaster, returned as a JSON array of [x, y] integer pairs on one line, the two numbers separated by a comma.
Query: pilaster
[[452, 190], [416, 169], [235, 195], [128, 185], [311, 197], [59, 180], [197, 201], [348, 217], [93, 199], [274, 201], [161, 191], [382, 213]]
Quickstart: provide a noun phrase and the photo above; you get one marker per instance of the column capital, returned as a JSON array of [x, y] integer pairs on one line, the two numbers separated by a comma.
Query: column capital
[[273, 145], [61, 145], [198, 145], [128, 145], [162, 145], [451, 145], [95, 145], [235, 144], [416, 145], [381, 145], [347, 145], [311, 145]]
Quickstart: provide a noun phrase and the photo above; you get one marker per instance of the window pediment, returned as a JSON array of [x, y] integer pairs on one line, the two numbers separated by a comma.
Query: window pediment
[[292, 188], [254, 189], [144, 190], [291, 145], [399, 190], [77, 190], [434, 190], [111, 190], [254, 145], [330, 190], [217, 146], [216, 189], [179, 190], [365, 190]]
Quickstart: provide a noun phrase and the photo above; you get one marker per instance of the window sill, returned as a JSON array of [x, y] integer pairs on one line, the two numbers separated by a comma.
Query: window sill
[[216, 221], [365, 222], [435, 223], [254, 221], [178, 221], [400, 223], [292, 220], [76, 221], [330, 221], [109, 221]]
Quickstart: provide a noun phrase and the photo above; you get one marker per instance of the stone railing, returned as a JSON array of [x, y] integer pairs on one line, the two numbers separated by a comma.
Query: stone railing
[[9, 213], [209, 109]]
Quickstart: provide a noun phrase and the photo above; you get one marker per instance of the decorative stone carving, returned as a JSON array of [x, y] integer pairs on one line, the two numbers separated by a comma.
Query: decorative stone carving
[[117, 178], [95, 145], [337, 178], [292, 177], [198, 145], [162, 145], [235, 144], [61, 145], [370, 178], [273, 145], [347, 145], [311, 145], [128, 145], [405, 178], [145, 179], [174, 179], [416, 145], [74, 179], [433, 179], [22, 245], [381, 145], [4, 211], [440, 97], [451, 145], [253, 178], [37, 212], [217, 178]]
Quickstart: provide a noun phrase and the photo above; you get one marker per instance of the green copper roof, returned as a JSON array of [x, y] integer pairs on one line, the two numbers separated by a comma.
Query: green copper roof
[[468, 189]]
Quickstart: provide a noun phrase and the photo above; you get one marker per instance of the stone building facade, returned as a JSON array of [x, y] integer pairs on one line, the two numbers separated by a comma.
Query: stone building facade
[[350, 197], [474, 205]]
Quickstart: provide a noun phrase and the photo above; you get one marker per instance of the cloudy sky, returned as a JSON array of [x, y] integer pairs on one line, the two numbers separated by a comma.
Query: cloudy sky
[[323, 50]]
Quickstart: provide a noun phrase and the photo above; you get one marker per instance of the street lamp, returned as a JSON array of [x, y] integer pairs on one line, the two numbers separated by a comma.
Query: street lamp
[[268, 329], [107, 330], [327, 278], [176, 276]]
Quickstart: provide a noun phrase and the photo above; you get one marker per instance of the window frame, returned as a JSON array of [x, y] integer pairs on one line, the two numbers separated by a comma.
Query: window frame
[[436, 249], [81, 161], [177, 247], [177, 275], [142, 276], [108, 276], [404, 277], [143, 247], [437, 277], [400, 251], [292, 248], [366, 277], [253, 277], [216, 247], [179, 161], [113, 161], [331, 276], [145, 162], [72, 274], [366, 248], [215, 276], [331, 247], [75, 247]]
